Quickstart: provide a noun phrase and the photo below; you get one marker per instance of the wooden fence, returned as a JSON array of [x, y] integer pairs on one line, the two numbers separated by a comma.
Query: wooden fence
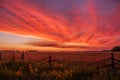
[[112, 64], [48, 59]]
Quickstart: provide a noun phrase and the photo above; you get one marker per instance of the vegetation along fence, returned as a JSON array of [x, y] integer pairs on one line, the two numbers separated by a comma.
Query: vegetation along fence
[[111, 63]]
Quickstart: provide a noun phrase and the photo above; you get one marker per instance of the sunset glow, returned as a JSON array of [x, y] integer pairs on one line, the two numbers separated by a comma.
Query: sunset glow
[[59, 24]]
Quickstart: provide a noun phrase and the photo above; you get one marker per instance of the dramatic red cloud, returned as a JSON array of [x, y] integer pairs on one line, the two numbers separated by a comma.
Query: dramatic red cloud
[[93, 22]]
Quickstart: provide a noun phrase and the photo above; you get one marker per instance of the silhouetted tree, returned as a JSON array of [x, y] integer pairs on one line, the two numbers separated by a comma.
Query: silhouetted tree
[[116, 48]]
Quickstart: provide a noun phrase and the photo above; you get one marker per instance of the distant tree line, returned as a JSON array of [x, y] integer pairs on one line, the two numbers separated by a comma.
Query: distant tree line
[[116, 49]]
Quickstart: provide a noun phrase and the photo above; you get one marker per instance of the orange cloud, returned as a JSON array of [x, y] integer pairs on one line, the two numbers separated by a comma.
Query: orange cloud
[[94, 23]]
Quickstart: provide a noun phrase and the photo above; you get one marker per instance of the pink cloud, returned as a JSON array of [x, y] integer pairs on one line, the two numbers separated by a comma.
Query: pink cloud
[[63, 21]]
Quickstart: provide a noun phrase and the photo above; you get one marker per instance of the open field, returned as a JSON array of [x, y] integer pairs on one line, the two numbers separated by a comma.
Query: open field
[[68, 66], [84, 57]]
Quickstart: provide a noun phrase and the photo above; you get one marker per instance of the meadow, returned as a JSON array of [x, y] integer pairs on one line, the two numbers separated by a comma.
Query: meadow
[[68, 66], [83, 56]]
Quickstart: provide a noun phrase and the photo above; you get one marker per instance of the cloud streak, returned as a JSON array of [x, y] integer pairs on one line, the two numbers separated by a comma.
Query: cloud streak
[[69, 45], [94, 22]]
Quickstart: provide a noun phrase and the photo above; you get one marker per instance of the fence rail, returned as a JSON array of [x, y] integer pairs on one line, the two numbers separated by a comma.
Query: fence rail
[[113, 63], [108, 62]]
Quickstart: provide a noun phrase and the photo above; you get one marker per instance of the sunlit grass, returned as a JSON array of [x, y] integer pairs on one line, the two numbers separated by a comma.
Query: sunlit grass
[[58, 71]]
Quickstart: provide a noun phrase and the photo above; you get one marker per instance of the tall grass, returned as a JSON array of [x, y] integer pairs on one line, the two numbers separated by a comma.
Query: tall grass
[[58, 71]]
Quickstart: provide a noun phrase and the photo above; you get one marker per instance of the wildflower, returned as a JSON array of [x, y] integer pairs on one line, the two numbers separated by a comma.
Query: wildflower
[[30, 68], [36, 69], [19, 73]]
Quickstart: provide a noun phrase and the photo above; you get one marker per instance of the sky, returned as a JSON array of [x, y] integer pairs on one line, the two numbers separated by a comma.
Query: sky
[[51, 25]]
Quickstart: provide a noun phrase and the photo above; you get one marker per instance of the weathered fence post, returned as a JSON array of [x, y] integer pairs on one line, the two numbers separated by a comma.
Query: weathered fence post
[[0, 56], [50, 60], [112, 60], [22, 56], [13, 56]]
